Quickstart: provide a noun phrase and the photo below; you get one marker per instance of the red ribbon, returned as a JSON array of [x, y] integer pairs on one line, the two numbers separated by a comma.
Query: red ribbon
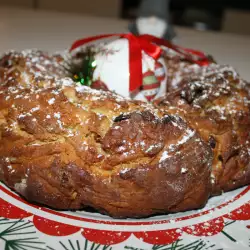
[[151, 46]]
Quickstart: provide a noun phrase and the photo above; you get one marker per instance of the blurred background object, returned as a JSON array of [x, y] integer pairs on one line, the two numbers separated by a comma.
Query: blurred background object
[[18, 3], [107, 8], [220, 15], [231, 16], [237, 21], [54, 26]]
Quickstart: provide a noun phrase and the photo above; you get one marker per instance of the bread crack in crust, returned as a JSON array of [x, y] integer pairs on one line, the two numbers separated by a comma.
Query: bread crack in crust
[[69, 147]]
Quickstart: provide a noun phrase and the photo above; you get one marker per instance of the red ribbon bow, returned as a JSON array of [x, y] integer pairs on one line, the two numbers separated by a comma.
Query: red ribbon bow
[[151, 46]]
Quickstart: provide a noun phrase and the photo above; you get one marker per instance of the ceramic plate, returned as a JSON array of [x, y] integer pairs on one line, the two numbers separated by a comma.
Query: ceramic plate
[[223, 224]]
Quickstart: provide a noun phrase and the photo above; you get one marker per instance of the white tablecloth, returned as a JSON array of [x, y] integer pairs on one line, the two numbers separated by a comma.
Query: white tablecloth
[[20, 29]]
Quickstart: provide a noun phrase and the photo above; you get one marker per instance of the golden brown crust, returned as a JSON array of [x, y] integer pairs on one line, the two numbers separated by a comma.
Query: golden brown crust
[[68, 147], [217, 104]]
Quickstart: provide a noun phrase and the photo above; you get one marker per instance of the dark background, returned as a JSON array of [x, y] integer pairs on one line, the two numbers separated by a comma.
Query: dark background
[[191, 13]]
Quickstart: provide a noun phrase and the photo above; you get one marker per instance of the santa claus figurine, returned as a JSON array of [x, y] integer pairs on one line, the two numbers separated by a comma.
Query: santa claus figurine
[[153, 19]]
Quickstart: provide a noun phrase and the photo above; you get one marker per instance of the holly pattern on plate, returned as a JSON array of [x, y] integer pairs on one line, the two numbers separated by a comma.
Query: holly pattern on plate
[[24, 226], [22, 235]]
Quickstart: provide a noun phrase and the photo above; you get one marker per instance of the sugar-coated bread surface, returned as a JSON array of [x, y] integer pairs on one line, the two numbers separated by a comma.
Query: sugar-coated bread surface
[[69, 147], [215, 101]]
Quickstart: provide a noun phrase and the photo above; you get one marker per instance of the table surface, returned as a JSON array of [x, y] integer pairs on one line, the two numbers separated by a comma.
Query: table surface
[[52, 31]]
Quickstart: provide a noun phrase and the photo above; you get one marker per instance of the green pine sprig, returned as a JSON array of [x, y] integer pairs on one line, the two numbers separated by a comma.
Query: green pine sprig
[[81, 68], [80, 245], [226, 234], [19, 235], [179, 245]]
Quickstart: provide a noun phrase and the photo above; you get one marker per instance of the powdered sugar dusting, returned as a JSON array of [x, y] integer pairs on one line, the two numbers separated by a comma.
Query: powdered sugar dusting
[[51, 101], [57, 115], [171, 148]]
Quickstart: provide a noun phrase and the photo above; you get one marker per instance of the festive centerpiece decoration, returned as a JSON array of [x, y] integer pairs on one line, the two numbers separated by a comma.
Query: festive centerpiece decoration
[[113, 69], [132, 66]]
